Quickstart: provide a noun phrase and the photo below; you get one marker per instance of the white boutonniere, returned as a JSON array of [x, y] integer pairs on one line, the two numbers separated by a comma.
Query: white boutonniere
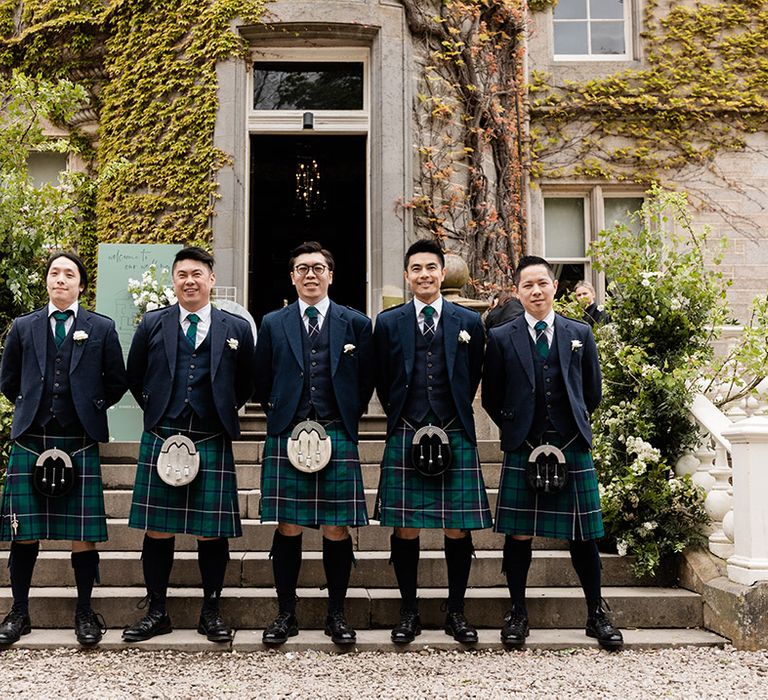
[[348, 348], [464, 337], [233, 343], [575, 345], [79, 336]]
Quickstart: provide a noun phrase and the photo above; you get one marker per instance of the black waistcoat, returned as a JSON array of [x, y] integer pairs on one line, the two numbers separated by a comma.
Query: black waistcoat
[[192, 382], [429, 388], [56, 401], [317, 397]]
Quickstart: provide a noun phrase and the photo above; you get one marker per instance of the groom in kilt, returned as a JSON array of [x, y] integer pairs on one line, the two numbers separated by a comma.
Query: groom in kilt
[[541, 382], [429, 358], [190, 368], [62, 368], [314, 361]]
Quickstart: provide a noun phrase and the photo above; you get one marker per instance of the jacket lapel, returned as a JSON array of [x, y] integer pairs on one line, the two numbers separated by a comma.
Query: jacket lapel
[[218, 333], [82, 323], [338, 332], [293, 330], [563, 341], [170, 324], [40, 330], [521, 341], [406, 324], [450, 323]]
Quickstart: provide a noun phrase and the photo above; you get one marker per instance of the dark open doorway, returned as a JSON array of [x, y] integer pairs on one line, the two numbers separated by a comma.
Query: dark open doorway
[[306, 188]]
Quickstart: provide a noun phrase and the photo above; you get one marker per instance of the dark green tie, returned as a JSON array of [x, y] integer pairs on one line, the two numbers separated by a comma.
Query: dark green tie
[[429, 321], [60, 332], [193, 319], [542, 346], [313, 323]]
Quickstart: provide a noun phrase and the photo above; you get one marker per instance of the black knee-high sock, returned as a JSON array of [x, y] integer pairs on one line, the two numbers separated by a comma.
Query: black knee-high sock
[[212, 558], [405, 558], [516, 563], [337, 562], [157, 562], [458, 560], [22, 564], [586, 561], [86, 566], [286, 564]]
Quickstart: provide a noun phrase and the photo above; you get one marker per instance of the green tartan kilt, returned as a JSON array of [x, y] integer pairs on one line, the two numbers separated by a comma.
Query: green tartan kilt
[[456, 499], [571, 514], [332, 496], [78, 516], [207, 507]]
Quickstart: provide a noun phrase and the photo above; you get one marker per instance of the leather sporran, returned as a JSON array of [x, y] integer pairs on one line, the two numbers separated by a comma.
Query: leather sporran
[[431, 451], [53, 475], [546, 471]]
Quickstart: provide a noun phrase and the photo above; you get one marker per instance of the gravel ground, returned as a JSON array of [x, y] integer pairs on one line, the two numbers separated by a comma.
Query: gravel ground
[[673, 673]]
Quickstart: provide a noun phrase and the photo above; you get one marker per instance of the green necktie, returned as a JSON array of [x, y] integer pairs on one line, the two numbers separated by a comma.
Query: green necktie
[[193, 319], [429, 321], [61, 332], [313, 325], [542, 346]]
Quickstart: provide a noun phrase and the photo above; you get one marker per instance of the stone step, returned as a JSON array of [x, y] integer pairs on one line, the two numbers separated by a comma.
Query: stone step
[[367, 608], [189, 641], [254, 569]]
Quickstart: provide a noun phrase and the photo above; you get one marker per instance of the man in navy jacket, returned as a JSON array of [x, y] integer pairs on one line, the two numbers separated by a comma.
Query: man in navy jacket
[[62, 368], [190, 368]]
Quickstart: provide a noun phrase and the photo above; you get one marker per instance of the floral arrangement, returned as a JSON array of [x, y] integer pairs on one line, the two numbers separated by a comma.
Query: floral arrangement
[[152, 291]]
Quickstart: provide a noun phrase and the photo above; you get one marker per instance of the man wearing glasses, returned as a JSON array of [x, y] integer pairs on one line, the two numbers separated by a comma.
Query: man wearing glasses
[[314, 362]]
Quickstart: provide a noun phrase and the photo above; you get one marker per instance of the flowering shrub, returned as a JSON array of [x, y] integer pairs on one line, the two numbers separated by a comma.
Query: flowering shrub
[[151, 291]]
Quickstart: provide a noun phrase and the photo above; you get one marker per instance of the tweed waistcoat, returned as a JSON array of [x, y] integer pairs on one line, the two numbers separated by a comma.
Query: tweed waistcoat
[[192, 381], [317, 395], [56, 401]]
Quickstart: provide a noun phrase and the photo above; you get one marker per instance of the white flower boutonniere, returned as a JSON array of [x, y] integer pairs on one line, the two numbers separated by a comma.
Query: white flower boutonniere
[[464, 337], [575, 345], [233, 343], [79, 336], [348, 348]]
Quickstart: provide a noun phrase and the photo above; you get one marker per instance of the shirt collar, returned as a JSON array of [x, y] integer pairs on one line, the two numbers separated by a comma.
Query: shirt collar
[[72, 307], [203, 314], [321, 306], [437, 305], [549, 318]]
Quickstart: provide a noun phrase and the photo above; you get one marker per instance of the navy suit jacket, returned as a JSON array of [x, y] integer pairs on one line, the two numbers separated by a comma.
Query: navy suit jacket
[[280, 365], [152, 364], [395, 342], [97, 372], [509, 381]]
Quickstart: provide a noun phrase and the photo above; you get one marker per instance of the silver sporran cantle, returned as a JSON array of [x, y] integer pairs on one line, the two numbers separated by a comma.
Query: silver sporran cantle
[[309, 447], [546, 471], [53, 475], [178, 461], [431, 451]]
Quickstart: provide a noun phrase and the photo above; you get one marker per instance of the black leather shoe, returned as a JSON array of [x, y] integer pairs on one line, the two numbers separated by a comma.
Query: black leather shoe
[[601, 628], [338, 629], [283, 626], [154, 623], [89, 627], [213, 626], [456, 626], [15, 625], [515, 628], [408, 628]]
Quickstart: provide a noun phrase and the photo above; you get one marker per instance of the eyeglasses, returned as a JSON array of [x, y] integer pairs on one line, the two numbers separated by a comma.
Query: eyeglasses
[[317, 268]]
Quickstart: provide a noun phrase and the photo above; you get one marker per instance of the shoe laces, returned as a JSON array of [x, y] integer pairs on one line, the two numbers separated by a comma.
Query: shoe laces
[[338, 617], [516, 613], [93, 618], [15, 615]]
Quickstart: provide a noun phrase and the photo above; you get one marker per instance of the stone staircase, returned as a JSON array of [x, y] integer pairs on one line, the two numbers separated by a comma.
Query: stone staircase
[[653, 613]]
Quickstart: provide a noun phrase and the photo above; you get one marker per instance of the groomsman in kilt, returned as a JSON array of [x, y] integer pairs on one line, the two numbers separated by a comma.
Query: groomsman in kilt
[[314, 361], [541, 382], [190, 368], [429, 358], [62, 368]]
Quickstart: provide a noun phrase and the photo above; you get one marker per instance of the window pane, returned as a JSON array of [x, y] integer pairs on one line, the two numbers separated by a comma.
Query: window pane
[[287, 85], [564, 227], [606, 9], [571, 9], [567, 276], [44, 167], [618, 209], [607, 37], [571, 38]]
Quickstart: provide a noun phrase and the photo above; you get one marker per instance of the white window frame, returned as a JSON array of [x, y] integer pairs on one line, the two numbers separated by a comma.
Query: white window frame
[[626, 56]]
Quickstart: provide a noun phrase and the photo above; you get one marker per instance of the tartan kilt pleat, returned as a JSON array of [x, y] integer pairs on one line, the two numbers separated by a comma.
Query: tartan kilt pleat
[[455, 499], [332, 496], [572, 514], [78, 516], [207, 507]]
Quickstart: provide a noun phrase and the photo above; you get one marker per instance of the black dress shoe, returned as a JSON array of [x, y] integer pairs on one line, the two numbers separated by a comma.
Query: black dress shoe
[[14, 626], [283, 626], [213, 626], [601, 628], [457, 626], [408, 628], [338, 629], [154, 623], [89, 627], [515, 628]]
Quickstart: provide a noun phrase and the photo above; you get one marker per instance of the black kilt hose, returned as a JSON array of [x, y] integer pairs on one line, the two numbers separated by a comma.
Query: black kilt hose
[[332, 496], [572, 514], [456, 499], [78, 516], [207, 507]]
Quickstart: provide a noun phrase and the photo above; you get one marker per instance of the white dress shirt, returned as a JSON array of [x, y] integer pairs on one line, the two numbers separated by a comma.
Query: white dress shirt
[[203, 324], [437, 305], [70, 320], [549, 319], [322, 312]]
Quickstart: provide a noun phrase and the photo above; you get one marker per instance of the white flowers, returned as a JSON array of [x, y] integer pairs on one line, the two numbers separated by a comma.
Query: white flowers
[[464, 337], [348, 348], [575, 345], [151, 291], [233, 343], [79, 336]]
